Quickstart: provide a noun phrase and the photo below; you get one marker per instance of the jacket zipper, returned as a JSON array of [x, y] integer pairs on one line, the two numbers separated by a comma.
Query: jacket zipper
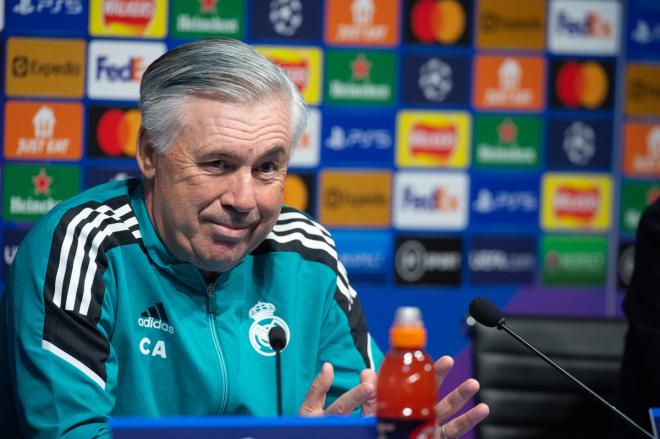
[[210, 308]]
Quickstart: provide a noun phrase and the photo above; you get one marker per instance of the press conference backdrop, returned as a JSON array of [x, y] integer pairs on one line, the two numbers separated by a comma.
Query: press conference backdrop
[[456, 148]]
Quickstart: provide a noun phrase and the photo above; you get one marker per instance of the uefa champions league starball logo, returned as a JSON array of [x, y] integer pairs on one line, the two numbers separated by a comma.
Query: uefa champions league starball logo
[[264, 320]]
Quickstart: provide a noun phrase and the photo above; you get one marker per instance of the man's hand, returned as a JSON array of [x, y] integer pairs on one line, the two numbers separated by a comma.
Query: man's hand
[[455, 400], [363, 394]]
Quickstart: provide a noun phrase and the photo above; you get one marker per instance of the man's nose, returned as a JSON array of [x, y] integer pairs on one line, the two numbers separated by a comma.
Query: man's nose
[[239, 193]]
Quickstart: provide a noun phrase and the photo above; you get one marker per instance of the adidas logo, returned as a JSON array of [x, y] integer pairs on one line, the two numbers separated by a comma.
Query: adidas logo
[[156, 317]]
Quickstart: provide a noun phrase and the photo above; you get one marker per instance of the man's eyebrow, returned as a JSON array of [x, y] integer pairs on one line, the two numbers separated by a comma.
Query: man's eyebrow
[[275, 150]]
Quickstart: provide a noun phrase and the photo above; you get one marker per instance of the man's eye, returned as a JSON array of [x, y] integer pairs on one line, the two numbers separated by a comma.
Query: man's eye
[[216, 164], [268, 167]]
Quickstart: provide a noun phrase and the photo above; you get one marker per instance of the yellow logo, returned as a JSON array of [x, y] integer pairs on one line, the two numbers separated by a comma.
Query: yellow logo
[[302, 64], [433, 139], [45, 67], [643, 90], [355, 199], [511, 24], [128, 18], [576, 202]]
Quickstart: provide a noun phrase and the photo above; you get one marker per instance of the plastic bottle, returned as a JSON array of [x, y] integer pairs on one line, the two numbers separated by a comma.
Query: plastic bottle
[[407, 388]]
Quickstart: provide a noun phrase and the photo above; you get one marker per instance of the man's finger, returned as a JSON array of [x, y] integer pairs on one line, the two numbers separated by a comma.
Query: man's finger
[[352, 399], [456, 399], [441, 368], [466, 422], [315, 399], [369, 406]]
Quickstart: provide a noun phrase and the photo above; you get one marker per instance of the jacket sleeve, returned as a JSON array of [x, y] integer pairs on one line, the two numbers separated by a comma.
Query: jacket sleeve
[[346, 342], [57, 322]]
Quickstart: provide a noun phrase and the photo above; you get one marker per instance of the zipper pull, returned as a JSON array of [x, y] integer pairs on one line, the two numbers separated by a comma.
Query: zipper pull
[[210, 299]]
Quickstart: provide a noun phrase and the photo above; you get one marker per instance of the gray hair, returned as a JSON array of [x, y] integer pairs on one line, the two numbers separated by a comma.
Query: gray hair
[[222, 69]]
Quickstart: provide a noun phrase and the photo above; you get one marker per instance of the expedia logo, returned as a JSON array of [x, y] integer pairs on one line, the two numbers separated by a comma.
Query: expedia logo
[[337, 199], [433, 140], [579, 204], [640, 89], [155, 317], [493, 22], [433, 260], [23, 66]]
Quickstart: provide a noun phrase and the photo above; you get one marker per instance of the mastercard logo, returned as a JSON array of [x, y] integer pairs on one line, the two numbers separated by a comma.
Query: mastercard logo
[[441, 21], [583, 84], [296, 194], [117, 130]]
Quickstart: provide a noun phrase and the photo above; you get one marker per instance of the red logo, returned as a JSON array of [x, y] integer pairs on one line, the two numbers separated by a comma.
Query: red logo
[[578, 204], [361, 67], [297, 71], [507, 131], [117, 130], [582, 84], [432, 140], [42, 182], [131, 12]]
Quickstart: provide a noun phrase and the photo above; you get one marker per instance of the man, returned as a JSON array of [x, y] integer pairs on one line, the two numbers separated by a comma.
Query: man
[[639, 387], [155, 298]]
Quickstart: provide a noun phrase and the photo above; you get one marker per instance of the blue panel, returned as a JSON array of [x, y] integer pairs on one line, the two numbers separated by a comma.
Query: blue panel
[[366, 255], [361, 137], [47, 17], [435, 79], [504, 260], [579, 144], [288, 20], [505, 200]]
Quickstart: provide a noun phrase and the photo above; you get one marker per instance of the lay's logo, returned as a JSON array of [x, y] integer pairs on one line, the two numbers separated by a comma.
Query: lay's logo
[[426, 140], [135, 18], [433, 139], [576, 202], [302, 65], [580, 205]]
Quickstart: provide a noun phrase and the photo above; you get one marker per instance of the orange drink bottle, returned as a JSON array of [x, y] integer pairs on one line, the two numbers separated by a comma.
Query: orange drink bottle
[[407, 390]]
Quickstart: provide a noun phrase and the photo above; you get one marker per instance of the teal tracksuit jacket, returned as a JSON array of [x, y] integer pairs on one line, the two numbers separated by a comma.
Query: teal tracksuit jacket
[[99, 319]]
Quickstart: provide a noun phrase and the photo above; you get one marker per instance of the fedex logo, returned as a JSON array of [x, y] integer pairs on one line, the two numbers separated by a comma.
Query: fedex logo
[[592, 25], [435, 200], [438, 199], [115, 67], [584, 27], [131, 71]]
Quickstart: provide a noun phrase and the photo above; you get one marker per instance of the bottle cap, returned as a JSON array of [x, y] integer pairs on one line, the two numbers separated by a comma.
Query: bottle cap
[[408, 330]]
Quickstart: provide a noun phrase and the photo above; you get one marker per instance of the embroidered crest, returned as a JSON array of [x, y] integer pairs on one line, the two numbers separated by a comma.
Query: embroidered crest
[[264, 317]]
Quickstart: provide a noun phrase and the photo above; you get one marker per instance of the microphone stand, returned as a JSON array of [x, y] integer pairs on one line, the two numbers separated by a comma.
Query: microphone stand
[[278, 377], [501, 325]]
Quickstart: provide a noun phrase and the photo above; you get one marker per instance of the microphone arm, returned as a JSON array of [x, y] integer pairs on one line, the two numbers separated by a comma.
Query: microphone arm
[[501, 325]]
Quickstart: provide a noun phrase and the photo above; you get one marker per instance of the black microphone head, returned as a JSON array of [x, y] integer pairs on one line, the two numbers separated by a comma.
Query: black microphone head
[[485, 312], [277, 338]]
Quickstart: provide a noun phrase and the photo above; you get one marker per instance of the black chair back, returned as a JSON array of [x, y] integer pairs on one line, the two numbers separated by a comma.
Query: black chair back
[[528, 398]]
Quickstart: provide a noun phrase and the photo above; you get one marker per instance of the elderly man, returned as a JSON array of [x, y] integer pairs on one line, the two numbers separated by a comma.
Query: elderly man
[[155, 297]]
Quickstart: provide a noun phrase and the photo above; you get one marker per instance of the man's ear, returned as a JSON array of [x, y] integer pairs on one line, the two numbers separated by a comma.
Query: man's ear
[[145, 155]]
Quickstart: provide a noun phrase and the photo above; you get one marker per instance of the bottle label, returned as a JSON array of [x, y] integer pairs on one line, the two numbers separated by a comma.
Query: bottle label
[[406, 429]]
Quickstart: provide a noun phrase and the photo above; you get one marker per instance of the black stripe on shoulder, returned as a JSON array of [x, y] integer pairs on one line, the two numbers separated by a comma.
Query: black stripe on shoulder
[[92, 228], [358, 324]]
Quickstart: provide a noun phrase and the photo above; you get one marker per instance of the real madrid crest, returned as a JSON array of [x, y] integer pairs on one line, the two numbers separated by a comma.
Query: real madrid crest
[[264, 319]]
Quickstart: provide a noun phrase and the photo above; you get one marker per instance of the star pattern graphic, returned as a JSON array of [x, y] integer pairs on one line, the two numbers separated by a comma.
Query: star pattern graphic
[[42, 182], [208, 6], [361, 67], [507, 131]]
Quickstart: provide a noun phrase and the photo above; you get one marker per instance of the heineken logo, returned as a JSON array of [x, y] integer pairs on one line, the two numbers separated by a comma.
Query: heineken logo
[[511, 140], [360, 76], [579, 204], [36, 189], [433, 140], [207, 18]]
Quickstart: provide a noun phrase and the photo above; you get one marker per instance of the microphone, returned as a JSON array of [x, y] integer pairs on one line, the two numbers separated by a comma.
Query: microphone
[[486, 313], [277, 340]]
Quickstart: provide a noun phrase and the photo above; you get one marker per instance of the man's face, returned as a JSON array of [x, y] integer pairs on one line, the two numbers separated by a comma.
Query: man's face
[[217, 192]]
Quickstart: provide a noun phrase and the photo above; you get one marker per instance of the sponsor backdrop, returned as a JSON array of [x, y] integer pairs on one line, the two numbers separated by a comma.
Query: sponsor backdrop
[[457, 148]]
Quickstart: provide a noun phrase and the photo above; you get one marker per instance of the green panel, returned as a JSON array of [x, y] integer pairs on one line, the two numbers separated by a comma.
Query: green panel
[[30, 191], [201, 19], [507, 141], [360, 77], [574, 260]]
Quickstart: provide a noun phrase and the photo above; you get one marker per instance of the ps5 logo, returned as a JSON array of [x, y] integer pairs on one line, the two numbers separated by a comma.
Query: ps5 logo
[[364, 139]]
